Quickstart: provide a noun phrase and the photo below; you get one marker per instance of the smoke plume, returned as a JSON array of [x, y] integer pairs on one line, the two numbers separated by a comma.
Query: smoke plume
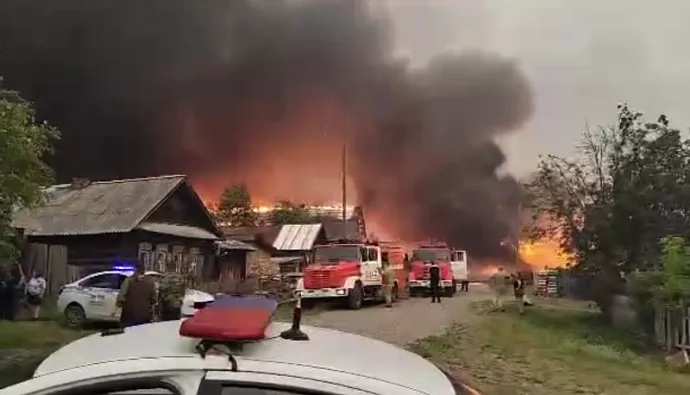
[[266, 93]]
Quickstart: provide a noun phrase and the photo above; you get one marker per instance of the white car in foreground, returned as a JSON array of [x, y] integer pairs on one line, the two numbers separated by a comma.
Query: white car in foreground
[[93, 298], [155, 359]]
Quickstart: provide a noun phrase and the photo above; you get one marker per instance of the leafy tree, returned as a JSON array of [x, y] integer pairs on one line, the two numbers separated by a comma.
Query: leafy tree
[[287, 212], [666, 286], [235, 206], [628, 188], [23, 174]]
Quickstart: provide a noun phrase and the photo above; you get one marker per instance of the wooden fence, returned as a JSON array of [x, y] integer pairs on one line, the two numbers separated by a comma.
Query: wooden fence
[[672, 328]]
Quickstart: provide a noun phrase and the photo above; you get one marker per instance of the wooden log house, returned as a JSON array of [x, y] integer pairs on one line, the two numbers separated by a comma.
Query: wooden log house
[[159, 221]]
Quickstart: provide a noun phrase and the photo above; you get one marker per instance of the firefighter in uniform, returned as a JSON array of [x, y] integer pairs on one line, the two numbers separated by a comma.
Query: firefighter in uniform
[[434, 282], [519, 292], [388, 277], [500, 281]]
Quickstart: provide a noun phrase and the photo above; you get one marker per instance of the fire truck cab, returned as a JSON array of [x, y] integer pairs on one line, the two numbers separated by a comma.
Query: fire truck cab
[[419, 268], [350, 271]]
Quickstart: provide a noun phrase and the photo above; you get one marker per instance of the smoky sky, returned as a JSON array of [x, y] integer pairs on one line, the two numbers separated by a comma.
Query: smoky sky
[[151, 87]]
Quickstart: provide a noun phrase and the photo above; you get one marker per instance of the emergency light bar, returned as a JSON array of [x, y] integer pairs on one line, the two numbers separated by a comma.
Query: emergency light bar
[[231, 319], [237, 319]]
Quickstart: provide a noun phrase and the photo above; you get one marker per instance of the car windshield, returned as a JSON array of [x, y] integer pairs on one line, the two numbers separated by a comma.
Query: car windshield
[[430, 254], [335, 254]]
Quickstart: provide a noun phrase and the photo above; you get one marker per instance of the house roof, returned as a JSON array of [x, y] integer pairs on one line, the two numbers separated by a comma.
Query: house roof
[[297, 237], [117, 206], [251, 233], [234, 245], [189, 232]]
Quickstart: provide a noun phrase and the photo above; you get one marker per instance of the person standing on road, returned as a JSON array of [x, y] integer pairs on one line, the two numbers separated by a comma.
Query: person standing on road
[[500, 281], [434, 282], [519, 291], [388, 278], [35, 290], [137, 299]]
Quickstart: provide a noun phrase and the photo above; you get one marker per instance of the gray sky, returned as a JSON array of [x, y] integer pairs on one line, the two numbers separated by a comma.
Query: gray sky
[[582, 56]]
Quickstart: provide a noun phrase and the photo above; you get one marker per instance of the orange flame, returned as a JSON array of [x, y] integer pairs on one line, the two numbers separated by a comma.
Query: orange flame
[[545, 254]]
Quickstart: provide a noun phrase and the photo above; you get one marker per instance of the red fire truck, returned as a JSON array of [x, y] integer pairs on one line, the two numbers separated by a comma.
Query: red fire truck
[[419, 268], [349, 271]]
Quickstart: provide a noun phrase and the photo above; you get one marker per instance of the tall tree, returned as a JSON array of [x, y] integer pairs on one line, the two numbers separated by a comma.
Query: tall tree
[[235, 206], [23, 174], [628, 188], [287, 212]]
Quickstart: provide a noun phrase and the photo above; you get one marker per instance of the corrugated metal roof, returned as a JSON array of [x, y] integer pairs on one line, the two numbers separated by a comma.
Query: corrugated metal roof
[[230, 244], [101, 207], [297, 237], [190, 232], [266, 233], [285, 259]]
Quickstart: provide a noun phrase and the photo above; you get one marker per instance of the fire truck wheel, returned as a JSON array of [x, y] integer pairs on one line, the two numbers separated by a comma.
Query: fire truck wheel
[[394, 293], [354, 298], [450, 292]]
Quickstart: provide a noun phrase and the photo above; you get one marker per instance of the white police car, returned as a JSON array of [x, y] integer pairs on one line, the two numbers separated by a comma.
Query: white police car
[[93, 298], [157, 359]]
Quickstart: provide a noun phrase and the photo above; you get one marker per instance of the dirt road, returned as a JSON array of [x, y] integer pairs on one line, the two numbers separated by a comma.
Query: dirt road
[[409, 320]]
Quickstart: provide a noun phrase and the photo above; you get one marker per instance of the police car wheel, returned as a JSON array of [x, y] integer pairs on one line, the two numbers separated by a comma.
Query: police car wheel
[[75, 316]]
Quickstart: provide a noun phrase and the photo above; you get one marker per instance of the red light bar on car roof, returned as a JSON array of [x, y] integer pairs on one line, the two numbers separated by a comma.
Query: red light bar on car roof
[[231, 319]]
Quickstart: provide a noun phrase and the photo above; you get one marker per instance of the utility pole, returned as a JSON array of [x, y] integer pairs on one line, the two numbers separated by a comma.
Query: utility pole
[[344, 189], [343, 168]]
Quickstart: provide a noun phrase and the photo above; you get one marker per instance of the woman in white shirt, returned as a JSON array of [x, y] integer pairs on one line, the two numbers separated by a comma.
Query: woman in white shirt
[[35, 289]]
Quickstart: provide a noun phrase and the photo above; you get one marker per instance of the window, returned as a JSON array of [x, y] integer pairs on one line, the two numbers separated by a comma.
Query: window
[[161, 260], [429, 254], [145, 255], [336, 254], [133, 387], [266, 391], [105, 281], [373, 254], [145, 259]]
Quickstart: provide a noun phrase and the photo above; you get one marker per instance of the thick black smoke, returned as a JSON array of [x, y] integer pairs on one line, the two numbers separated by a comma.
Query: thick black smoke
[[161, 86]]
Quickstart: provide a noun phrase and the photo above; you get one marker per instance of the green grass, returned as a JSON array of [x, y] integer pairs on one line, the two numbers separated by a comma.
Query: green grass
[[550, 351], [24, 344]]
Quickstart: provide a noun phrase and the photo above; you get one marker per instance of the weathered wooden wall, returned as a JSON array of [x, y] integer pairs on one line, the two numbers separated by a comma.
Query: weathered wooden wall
[[51, 261], [259, 264]]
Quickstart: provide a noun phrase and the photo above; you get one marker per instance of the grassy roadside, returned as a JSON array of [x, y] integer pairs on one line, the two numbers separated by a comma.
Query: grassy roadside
[[549, 350], [24, 344]]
